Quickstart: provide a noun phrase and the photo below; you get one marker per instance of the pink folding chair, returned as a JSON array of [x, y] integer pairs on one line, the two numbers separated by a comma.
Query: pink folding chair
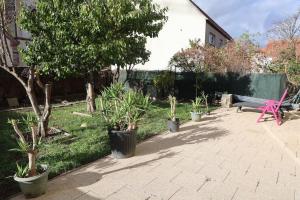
[[273, 106]]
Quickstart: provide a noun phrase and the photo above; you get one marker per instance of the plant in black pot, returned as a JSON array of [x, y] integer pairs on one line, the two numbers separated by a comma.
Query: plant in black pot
[[32, 178], [173, 122], [197, 110], [122, 110]]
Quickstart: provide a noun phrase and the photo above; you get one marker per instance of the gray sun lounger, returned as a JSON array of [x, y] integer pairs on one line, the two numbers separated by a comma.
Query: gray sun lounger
[[240, 101], [252, 102]]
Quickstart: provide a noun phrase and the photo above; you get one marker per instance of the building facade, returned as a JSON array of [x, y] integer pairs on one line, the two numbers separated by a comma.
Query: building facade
[[186, 21]]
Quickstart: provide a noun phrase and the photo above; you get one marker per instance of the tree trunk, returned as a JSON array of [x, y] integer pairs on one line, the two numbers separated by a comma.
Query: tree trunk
[[44, 120], [116, 76], [33, 101], [31, 162], [90, 91], [196, 86]]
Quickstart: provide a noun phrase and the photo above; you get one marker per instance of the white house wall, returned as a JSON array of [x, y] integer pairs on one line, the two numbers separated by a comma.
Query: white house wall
[[185, 22]]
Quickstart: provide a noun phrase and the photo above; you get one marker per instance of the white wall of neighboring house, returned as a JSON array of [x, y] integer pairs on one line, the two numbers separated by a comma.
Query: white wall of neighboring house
[[185, 22]]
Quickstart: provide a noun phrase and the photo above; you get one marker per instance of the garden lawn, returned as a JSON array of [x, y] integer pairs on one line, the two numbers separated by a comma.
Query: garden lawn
[[88, 140]]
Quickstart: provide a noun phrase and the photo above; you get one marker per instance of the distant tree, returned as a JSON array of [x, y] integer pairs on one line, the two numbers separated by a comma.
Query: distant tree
[[191, 59], [241, 53], [28, 77], [287, 30], [83, 36], [235, 56]]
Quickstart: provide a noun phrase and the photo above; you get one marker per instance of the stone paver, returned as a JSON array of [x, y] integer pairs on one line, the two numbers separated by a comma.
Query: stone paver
[[226, 156]]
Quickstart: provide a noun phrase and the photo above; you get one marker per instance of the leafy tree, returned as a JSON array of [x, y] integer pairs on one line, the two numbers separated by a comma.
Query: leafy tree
[[240, 55], [164, 83], [29, 76], [83, 36], [190, 60], [235, 56]]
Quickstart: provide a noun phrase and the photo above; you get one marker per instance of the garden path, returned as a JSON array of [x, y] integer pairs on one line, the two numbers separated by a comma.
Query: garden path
[[226, 156]]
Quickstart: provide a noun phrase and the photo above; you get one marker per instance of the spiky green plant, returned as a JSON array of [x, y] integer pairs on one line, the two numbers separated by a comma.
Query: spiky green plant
[[205, 101], [122, 109], [196, 104], [29, 147], [22, 172], [173, 102]]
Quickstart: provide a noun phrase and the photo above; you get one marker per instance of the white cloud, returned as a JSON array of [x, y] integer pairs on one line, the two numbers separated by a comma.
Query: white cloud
[[239, 16]]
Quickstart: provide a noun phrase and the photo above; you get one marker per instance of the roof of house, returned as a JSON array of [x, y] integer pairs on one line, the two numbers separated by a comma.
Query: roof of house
[[212, 22]]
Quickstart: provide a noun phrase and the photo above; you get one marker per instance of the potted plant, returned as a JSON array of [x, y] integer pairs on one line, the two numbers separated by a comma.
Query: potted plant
[[32, 178], [205, 101], [122, 110], [173, 122], [197, 111]]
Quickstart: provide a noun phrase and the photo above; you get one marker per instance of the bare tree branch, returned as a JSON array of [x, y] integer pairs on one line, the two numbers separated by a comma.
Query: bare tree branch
[[13, 73], [287, 29], [18, 131]]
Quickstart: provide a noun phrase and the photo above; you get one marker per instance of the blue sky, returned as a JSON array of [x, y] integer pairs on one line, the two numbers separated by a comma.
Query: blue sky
[[254, 16]]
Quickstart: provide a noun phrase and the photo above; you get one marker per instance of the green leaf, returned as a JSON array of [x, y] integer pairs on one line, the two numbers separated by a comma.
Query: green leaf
[[75, 37]]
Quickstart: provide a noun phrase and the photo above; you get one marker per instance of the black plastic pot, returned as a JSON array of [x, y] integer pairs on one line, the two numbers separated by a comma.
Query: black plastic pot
[[173, 125], [122, 143], [34, 186]]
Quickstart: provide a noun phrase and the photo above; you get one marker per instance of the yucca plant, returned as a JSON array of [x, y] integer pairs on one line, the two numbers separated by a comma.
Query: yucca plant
[[196, 105], [173, 102], [134, 104], [22, 172], [122, 109], [205, 101], [28, 144]]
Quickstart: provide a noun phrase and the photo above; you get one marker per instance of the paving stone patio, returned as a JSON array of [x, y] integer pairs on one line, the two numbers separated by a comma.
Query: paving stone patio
[[226, 156]]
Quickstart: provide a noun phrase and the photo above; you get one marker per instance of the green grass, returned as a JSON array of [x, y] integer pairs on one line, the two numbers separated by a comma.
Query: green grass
[[84, 146]]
